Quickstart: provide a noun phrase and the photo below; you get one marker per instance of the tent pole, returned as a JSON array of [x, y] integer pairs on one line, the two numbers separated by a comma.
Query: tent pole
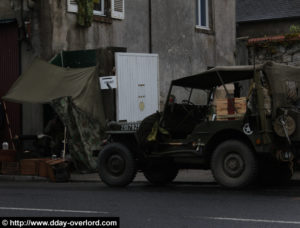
[[65, 143], [62, 58], [8, 125]]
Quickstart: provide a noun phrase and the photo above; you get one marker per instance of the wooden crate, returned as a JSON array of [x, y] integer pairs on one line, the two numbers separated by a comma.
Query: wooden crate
[[29, 167], [8, 155], [51, 168], [9, 168], [223, 112]]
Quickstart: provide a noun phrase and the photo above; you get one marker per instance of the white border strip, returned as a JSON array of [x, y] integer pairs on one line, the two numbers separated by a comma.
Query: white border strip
[[251, 220], [52, 210]]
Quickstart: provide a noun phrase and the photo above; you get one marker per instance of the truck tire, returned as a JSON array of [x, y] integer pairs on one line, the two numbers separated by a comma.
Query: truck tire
[[116, 165], [233, 164], [160, 173]]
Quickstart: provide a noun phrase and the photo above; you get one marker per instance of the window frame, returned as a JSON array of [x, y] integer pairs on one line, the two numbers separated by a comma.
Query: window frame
[[102, 12], [71, 7], [198, 15]]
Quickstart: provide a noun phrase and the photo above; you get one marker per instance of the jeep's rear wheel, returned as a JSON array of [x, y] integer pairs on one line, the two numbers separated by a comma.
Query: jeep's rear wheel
[[160, 173], [116, 165], [233, 164]]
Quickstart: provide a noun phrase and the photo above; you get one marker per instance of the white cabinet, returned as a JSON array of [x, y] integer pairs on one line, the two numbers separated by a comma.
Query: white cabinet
[[138, 85]]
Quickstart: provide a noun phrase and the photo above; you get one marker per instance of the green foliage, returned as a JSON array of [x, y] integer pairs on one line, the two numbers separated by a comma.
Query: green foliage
[[295, 28], [85, 12]]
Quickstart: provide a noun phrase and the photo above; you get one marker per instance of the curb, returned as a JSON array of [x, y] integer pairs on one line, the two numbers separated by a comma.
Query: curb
[[22, 178]]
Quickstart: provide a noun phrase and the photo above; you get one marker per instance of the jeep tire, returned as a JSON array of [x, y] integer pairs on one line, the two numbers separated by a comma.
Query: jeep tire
[[233, 164], [116, 165], [160, 173]]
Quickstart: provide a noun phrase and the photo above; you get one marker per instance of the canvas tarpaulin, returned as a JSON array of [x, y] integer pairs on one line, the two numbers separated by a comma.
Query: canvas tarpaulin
[[284, 81], [46, 83], [83, 132]]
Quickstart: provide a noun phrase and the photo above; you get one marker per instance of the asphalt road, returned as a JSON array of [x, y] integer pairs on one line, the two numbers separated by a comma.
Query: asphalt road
[[181, 204]]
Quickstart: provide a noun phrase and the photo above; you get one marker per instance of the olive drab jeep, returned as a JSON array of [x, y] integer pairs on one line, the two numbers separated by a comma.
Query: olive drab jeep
[[242, 122]]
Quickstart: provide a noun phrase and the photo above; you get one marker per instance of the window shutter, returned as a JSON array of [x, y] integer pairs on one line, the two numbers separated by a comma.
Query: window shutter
[[118, 9], [72, 6]]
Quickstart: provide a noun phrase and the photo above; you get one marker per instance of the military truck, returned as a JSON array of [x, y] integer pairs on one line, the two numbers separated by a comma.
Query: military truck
[[241, 139]]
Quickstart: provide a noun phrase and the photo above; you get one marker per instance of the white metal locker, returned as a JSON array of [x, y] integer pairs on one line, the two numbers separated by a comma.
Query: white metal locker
[[138, 88]]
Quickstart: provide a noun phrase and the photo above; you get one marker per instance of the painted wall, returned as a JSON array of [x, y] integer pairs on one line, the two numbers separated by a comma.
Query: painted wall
[[6, 11], [185, 50], [59, 30]]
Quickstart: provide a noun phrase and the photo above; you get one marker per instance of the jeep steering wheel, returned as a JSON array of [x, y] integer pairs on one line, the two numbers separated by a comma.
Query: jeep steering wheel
[[185, 107], [187, 102]]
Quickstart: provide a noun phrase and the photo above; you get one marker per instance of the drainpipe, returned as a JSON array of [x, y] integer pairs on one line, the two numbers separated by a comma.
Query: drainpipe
[[150, 26], [21, 37]]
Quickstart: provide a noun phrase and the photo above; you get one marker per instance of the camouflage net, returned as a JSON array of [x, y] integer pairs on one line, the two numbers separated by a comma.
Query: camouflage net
[[85, 133]]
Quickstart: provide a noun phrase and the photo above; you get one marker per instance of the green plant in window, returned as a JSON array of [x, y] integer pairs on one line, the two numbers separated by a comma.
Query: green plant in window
[[85, 12]]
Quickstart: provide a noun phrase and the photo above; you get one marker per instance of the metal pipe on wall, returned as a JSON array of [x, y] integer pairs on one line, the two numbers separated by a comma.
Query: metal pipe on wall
[[150, 26]]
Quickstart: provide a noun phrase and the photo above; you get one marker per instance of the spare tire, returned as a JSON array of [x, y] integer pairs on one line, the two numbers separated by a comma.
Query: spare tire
[[146, 127]]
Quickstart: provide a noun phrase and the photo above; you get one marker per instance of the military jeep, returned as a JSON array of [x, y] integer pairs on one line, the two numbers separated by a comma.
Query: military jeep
[[240, 138]]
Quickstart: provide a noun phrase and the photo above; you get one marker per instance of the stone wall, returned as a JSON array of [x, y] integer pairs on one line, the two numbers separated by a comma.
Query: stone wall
[[287, 52]]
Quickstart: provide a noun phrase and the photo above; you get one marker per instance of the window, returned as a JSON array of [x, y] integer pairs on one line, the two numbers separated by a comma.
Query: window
[[117, 8], [202, 14], [98, 7]]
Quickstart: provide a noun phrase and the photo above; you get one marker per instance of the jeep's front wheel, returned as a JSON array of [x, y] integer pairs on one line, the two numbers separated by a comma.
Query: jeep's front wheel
[[160, 173], [116, 165], [233, 164]]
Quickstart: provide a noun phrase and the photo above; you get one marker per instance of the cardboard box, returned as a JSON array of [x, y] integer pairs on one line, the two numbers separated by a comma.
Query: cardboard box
[[220, 92]]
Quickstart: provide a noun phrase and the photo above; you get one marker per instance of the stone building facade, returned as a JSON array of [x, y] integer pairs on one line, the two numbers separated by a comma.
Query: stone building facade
[[189, 36]]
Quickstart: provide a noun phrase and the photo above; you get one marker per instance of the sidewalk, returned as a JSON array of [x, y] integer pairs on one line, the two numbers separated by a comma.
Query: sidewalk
[[183, 176]]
